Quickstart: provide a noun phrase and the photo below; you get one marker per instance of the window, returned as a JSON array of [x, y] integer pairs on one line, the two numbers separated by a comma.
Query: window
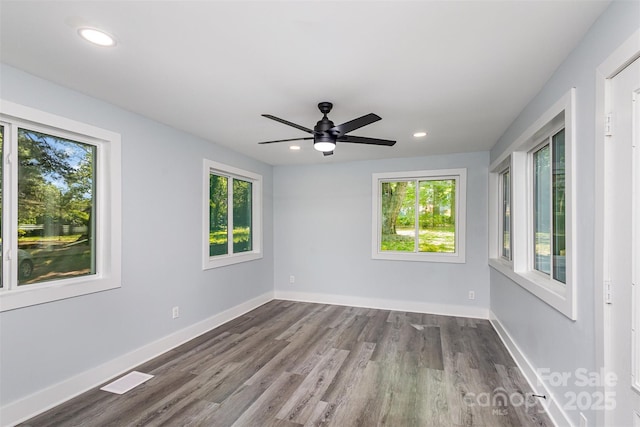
[[420, 215], [532, 221], [549, 244], [232, 215], [60, 222], [505, 215], [505, 181]]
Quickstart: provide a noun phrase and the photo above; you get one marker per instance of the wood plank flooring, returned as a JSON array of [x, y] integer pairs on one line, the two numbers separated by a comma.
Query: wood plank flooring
[[300, 364]]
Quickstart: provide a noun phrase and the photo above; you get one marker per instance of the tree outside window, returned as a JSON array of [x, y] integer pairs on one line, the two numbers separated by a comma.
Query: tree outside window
[[417, 213], [232, 215], [55, 224]]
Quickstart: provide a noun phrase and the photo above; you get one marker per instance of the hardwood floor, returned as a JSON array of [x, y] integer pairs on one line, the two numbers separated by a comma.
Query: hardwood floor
[[300, 364]]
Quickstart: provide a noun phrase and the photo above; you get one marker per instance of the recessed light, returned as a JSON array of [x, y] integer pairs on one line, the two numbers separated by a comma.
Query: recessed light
[[419, 134], [97, 37], [294, 147]]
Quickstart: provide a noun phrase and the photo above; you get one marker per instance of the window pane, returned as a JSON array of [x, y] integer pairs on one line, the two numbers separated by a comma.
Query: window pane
[[559, 239], [437, 216], [398, 216], [56, 202], [542, 210], [242, 230], [506, 215], [218, 212]]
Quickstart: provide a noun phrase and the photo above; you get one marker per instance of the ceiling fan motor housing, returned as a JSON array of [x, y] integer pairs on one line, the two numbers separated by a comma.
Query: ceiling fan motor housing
[[321, 130]]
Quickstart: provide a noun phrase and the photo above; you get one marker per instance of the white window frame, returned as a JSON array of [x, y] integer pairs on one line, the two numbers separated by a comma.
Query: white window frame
[[501, 197], [108, 209], [460, 175], [558, 295], [208, 262]]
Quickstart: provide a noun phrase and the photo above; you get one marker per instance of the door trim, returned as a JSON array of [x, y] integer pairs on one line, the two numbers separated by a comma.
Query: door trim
[[624, 55]]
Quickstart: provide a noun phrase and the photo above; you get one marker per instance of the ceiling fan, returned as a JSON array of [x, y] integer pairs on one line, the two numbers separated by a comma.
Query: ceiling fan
[[326, 134]]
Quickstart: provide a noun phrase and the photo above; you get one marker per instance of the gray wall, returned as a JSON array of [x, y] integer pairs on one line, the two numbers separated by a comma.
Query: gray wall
[[323, 236], [547, 338], [161, 240]]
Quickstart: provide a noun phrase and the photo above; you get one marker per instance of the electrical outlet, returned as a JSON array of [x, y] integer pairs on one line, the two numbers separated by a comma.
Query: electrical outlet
[[175, 312], [292, 279], [472, 295]]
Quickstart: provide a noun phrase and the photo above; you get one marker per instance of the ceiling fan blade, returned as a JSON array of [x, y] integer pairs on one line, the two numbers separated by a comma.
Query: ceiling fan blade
[[364, 140], [285, 140], [354, 124], [328, 153], [288, 123]]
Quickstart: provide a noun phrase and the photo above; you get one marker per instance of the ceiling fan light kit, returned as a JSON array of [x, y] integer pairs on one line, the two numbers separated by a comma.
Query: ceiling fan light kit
[[324, 146], [326, 134]]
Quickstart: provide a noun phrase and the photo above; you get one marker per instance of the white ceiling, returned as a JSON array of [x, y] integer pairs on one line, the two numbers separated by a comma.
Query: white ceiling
[[461, 71]]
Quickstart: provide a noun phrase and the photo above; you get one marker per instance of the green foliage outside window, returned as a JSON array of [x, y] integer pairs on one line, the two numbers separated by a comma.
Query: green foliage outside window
[[56, 193], [219, 215], [435, 205]]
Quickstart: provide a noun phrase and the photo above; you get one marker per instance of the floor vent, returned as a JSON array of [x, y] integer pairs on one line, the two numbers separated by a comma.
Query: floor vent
[[126, 383]]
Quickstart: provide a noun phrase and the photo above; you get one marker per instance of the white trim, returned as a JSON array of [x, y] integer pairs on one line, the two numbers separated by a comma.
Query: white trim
[[108, 229], [551, 405], [562, 297], [230, 258], [539, 126], [622, 56], [635, 248], [460, 175], [385, 304], [30, 406]]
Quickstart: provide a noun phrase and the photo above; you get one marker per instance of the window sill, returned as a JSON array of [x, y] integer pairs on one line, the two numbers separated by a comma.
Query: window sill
[[224, 260], [41, 293], [454, 258], [547, 290]]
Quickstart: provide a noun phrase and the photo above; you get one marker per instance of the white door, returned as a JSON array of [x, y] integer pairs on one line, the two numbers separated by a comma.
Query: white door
[[622, 230]]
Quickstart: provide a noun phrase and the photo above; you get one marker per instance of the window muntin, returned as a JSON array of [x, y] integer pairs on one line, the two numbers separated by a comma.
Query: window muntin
[[417, 215], [61, 208], [56, 208], [549, 208], [505, 219], [232, 215]]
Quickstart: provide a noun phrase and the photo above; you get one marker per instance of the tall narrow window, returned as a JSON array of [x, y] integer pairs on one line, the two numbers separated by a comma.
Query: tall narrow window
[[549, 242], [559, 243], [418, 216], [505, 181], [232, 215]]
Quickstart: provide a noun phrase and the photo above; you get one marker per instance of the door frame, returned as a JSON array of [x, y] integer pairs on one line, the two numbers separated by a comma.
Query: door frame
[[623, 56]]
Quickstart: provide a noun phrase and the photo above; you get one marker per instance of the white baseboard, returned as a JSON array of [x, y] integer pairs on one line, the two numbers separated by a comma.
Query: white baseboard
[[385, 304], [30, 406], [554, 409]]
